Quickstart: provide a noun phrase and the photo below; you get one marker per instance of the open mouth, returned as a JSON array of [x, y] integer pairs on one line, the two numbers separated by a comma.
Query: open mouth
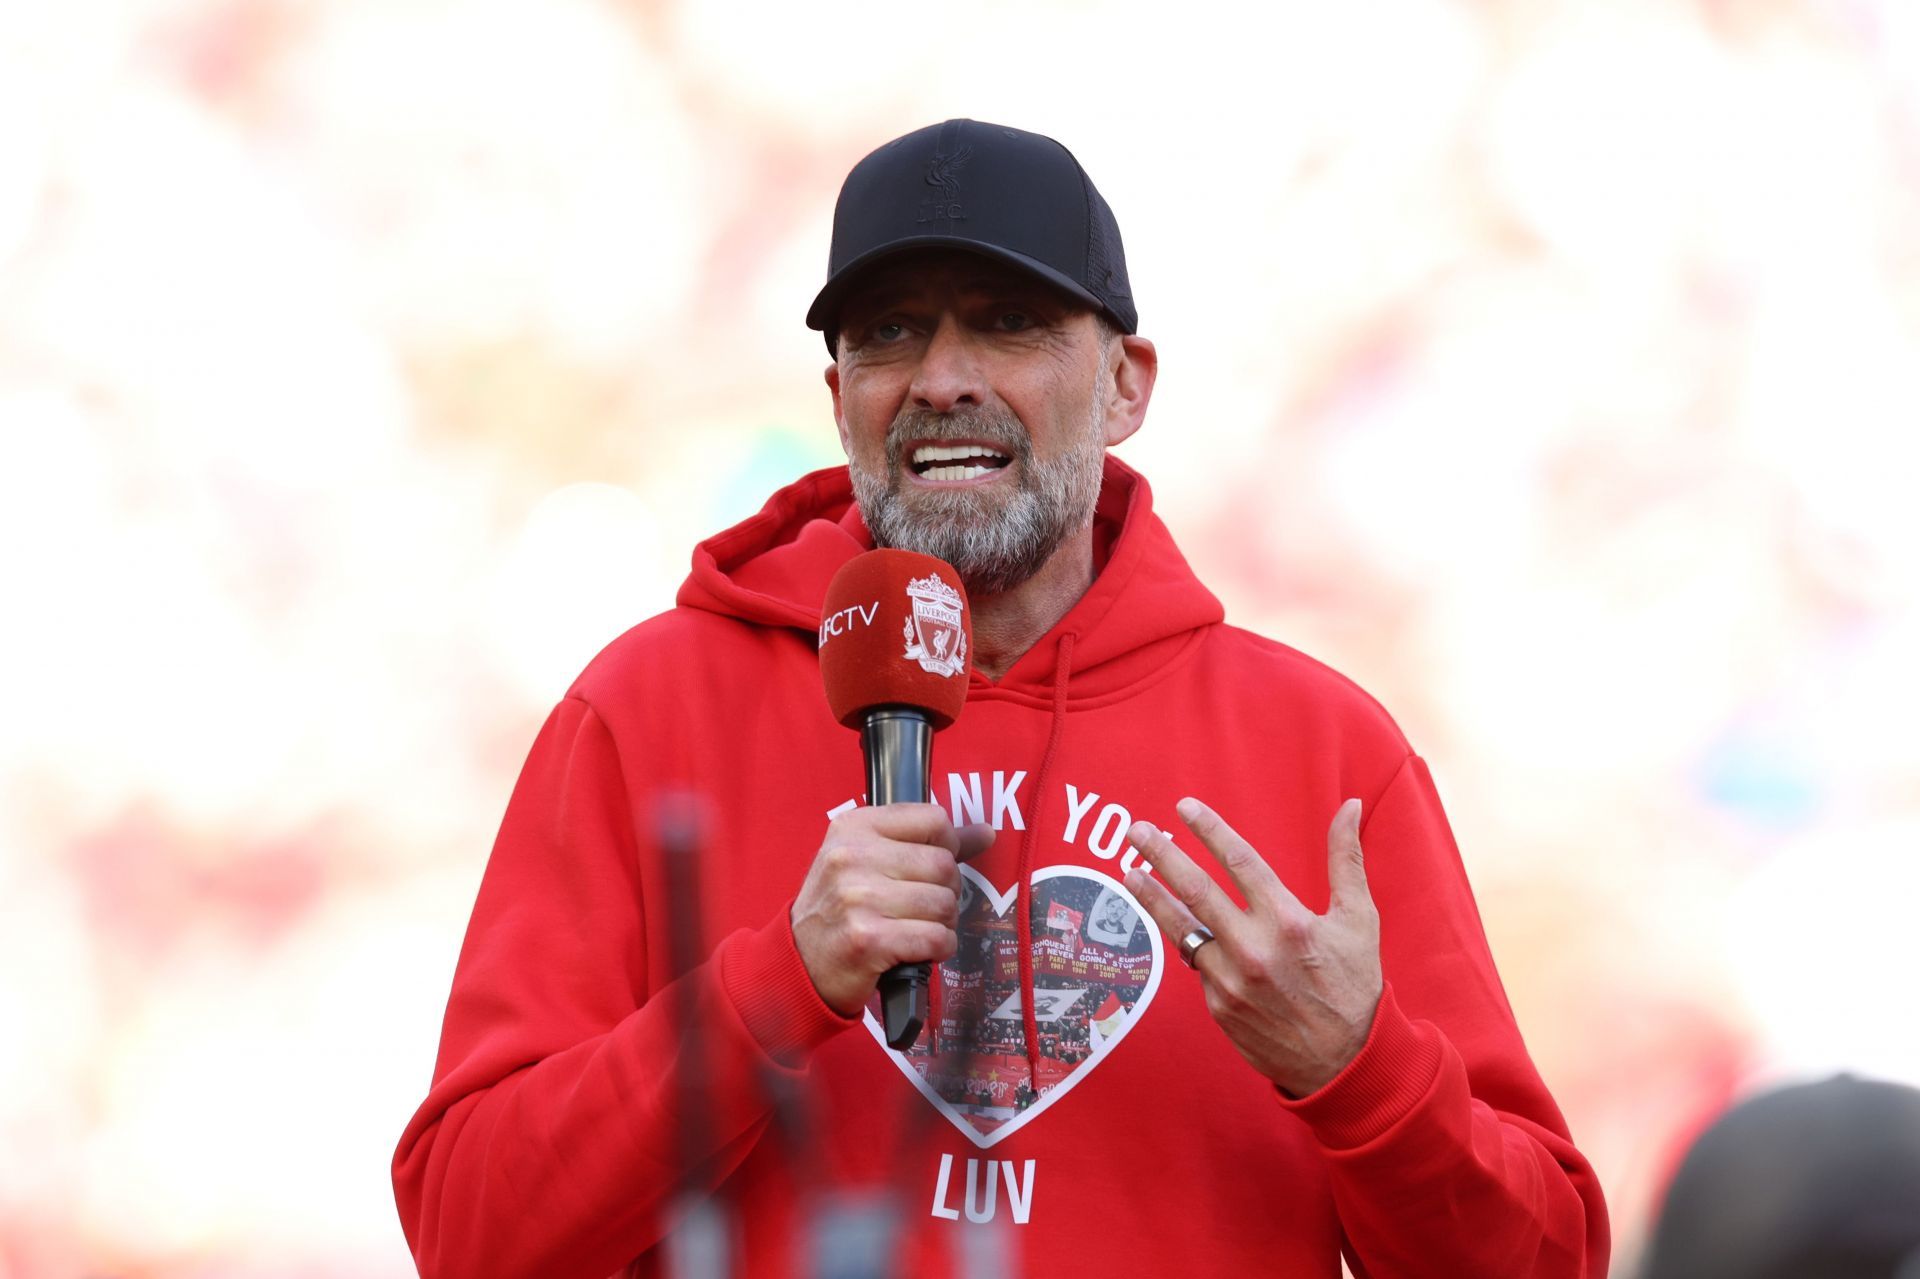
[[956, 461]]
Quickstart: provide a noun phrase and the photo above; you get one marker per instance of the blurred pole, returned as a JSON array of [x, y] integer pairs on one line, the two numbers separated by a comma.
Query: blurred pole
[[855, 1237], [984, 1251], [700, 1243]]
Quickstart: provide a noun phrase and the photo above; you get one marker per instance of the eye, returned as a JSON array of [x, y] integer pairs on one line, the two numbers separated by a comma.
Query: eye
[[1013, 322], [888, 331]]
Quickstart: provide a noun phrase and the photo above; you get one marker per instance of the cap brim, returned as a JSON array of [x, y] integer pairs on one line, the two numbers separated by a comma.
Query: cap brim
[[826, 304]]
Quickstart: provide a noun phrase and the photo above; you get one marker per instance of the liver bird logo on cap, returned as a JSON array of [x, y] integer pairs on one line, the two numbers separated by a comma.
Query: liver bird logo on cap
[[943, 171]]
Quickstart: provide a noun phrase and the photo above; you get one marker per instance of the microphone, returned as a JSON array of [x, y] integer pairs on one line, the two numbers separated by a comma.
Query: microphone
[[894, 638]]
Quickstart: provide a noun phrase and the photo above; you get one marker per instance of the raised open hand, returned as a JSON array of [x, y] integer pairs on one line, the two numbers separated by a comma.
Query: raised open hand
[[1295, 991]]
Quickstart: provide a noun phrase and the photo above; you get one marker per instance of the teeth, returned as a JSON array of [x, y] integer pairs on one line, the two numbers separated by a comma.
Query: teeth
[[955, 472], [953, 453]]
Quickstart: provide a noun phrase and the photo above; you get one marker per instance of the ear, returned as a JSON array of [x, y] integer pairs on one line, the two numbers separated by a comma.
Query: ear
[[839, 415], [1134, 364]]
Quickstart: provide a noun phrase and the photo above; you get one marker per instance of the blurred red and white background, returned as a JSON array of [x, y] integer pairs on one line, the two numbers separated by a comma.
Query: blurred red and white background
[[1551, 368]]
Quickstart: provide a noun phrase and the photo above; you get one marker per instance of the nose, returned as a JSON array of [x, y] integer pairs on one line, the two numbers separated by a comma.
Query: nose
[[949, 375]]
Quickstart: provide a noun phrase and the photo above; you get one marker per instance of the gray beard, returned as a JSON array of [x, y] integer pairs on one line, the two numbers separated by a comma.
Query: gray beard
[[994, 543]]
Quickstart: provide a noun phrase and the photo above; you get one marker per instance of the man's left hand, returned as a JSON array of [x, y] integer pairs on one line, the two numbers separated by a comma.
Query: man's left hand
[[1295, 991]]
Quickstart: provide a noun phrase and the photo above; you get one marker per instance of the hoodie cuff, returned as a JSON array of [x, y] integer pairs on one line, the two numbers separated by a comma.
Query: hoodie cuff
[[1393, 1070], [767, 983]]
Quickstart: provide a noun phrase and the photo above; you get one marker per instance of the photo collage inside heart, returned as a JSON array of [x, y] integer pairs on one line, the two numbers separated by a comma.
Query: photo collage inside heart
[[1097, 960]]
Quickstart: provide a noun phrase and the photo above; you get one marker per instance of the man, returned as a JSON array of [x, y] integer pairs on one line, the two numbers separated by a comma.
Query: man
[[1339, 1070]]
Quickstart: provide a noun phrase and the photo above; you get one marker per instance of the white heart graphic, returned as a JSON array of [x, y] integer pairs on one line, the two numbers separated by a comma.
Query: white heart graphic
[[1095, 951]]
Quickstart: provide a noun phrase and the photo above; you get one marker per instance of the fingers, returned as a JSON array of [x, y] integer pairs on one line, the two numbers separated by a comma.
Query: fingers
[[908, 823], [922, 824], [975, 839], [1166, 910], [1255, 879], [917, 863], [871, 946], [870, 901], [1193, 889], [1346, 865], [935, 864], [906, 899], [924, 943], [906, 841]]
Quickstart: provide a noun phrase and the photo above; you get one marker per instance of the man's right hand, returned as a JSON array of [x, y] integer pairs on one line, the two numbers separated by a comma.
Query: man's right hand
[[884, 889]]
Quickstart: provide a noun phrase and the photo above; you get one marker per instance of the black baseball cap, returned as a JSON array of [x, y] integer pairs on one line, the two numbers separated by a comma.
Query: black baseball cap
[[1017, 197]]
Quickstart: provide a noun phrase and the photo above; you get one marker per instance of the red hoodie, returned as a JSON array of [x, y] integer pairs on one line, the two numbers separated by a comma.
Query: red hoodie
[[1083, 1112]]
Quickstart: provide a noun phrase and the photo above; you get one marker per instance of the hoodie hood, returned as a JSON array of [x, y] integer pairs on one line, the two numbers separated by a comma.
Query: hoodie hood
[[1144, 606]]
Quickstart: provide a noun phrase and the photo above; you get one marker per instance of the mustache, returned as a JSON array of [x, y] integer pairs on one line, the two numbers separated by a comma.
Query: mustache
[[989, 426]]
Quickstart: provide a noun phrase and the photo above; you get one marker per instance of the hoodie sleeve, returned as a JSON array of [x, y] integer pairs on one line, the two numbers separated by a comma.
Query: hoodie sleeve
[[548, 1144], [1446, 1153]]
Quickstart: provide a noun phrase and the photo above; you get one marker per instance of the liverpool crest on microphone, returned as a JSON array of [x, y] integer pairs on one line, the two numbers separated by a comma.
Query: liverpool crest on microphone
[[936, 634]]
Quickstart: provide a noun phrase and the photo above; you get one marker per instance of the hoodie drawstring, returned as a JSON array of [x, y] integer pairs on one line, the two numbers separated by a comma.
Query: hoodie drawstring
[[1023, 908]]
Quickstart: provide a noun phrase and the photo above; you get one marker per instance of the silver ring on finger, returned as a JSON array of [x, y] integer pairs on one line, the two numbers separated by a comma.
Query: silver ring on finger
[[1193, 941]]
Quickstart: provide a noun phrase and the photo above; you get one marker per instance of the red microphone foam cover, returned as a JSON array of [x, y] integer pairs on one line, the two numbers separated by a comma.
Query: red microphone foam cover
[[896, 631]]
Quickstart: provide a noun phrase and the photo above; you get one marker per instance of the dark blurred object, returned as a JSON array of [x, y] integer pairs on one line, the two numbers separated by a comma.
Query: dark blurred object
[[1815, 1181]]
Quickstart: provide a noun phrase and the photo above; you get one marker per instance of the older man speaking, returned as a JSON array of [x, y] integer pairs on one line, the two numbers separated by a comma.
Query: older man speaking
[[1333, 1068]]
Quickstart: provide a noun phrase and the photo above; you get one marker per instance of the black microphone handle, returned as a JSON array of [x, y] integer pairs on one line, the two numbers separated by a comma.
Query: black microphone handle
[[898, 744]]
